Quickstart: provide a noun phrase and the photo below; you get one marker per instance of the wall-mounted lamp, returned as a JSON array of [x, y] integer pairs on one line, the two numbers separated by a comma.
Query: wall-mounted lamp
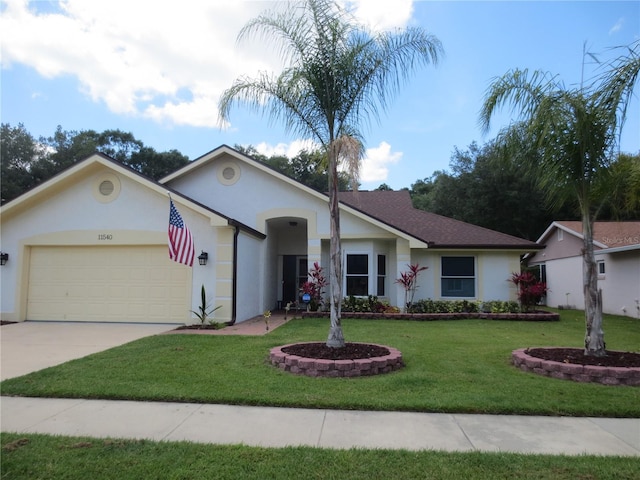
[[203, 257], [3, 258]]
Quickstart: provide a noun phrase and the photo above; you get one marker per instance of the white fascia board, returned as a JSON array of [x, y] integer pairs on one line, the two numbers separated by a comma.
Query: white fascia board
[[626, 248]]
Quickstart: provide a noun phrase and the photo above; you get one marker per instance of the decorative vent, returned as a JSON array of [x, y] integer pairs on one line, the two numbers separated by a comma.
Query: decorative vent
[[228, 173], [106, 188]]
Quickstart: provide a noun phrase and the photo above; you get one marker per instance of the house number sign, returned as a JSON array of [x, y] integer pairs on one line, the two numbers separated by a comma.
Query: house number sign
[[105, 236]]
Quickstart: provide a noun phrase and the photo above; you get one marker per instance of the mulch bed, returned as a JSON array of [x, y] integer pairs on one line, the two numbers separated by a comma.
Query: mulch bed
[[202, 327], [577, 356], [352, 351]]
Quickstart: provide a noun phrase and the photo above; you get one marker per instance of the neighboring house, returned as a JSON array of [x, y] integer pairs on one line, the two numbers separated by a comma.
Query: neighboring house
[[617, 251], [90, 244]]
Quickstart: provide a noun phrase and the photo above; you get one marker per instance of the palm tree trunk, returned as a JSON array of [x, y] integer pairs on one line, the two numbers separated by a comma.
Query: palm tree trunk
[[336, 337], [594, 335]]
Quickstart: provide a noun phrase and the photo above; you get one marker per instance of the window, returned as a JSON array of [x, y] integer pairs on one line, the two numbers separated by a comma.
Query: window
[[357, 274], [303, 273], [601, 269], [458, 277], [382, 273], [560, 235]]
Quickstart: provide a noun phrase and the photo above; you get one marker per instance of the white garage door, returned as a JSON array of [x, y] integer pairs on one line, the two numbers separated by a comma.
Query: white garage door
[[107, 284]]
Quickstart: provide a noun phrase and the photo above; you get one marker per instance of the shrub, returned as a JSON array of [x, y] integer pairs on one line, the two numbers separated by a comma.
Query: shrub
[[369, 304], [409, 281], [315, 286], [499, 306], [530, 289]]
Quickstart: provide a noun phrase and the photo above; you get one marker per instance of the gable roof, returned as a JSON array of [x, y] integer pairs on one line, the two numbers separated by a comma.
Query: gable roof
[[388, 209], [605, 234], [396, 209], [97, 161]]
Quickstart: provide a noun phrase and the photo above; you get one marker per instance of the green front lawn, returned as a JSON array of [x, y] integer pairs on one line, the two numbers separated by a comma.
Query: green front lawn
[[35, 457], [451, 366]]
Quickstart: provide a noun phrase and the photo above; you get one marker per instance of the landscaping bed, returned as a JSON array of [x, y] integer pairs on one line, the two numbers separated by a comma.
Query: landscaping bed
[[538, 316], [315, 359], [616, 368]]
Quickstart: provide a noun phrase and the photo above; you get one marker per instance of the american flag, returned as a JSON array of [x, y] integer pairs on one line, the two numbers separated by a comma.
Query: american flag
[[181, 247]]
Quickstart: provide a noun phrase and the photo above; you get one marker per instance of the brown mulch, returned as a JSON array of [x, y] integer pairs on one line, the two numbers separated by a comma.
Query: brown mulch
[[352, 351], [577, 356], [4, 322]]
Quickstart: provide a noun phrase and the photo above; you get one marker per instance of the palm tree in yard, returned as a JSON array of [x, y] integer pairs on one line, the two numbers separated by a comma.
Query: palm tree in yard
[[575, 133], [337, 74]]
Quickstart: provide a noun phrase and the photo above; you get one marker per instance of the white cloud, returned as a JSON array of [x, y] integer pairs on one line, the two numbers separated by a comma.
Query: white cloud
[[289, 150], [617, 27], [137, 62], [375, 165], [140, 58], [382, 14]]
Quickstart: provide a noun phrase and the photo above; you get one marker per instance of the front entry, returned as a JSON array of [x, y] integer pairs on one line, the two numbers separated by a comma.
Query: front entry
[[294, 274]]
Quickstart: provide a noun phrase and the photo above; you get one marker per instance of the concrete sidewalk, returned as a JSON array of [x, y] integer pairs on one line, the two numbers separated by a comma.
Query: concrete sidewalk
[[279, 427]]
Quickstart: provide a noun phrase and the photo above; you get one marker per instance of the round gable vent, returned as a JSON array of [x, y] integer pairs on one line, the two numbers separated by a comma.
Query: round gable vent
[[106, 187], [228, 173]]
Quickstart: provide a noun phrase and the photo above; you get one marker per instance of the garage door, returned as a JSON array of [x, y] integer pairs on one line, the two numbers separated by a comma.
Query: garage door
[[107, 284]]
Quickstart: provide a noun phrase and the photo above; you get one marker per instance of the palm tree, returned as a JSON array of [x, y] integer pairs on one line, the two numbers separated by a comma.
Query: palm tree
[[575, 133], [337, 75]]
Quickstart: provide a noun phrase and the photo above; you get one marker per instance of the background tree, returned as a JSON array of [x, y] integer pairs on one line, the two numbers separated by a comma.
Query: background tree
[[576, 134], [488, 188], [307, 167], [337, 75], [27, 162], [19, 151], [154, 164]]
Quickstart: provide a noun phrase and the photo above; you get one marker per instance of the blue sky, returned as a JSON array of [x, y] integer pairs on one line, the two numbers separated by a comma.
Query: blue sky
[[157, 72]]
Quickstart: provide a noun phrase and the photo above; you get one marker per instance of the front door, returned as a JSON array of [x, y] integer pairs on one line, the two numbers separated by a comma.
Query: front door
[[294, 274]]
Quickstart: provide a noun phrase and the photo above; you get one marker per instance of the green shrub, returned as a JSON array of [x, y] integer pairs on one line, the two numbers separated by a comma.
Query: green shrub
[[499, 306], [369, 304]]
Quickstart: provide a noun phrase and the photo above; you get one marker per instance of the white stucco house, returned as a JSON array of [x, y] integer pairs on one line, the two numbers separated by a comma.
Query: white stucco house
[[617, 251], [90, 244]]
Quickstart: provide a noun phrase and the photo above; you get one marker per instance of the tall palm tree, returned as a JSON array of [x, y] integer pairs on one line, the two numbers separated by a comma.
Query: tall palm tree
[[576, 135], [337, 75]]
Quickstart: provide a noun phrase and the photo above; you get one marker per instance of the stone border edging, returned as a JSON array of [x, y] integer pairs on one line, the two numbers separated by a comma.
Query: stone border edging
[[529, 317], [314, 367], [577, 373]]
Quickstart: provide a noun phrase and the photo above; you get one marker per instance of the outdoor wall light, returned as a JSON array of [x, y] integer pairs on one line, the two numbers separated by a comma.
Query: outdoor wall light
[[203, 257], [3, 258]]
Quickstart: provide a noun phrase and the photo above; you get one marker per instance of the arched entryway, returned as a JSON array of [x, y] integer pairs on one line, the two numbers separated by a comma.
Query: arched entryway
[[288, 254]]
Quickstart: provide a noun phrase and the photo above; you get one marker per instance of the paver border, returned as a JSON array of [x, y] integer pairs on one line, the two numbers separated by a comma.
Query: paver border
[[629, 376], [313, 367]]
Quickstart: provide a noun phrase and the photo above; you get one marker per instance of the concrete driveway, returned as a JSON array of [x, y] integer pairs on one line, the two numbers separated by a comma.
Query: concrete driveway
[[30, 346]]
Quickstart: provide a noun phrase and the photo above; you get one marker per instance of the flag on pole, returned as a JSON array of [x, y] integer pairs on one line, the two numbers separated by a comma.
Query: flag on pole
[[181, 247]]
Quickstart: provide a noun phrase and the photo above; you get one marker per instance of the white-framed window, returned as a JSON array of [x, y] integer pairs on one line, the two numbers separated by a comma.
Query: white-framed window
[[560, 234], [357, 274], [381, 275], [601, 268], [458, 277]]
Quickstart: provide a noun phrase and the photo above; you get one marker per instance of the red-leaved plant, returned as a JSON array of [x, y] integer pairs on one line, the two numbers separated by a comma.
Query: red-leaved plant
[[409, 280], [315, 286], [530, 289]]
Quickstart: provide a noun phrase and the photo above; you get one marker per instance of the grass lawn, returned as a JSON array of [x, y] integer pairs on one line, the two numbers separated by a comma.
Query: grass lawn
[[34, 457], [458, 366]]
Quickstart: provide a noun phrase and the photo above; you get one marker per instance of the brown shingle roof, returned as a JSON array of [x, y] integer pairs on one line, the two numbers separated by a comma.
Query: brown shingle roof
[[611, 234], [395, 209]]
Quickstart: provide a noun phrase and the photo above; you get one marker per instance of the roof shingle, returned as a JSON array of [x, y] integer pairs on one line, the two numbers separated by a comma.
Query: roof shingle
[[395, 209]]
